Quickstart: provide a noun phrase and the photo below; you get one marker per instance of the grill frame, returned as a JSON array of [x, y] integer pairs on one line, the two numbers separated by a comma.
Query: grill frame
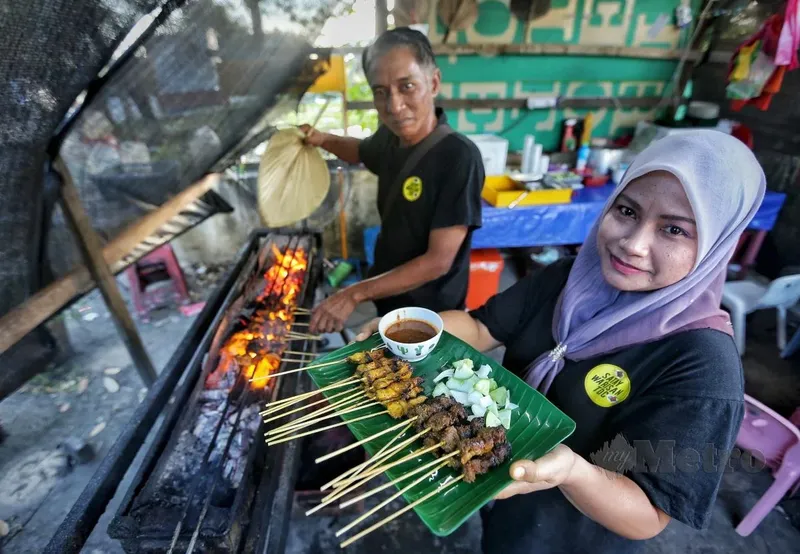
[[177, 382]]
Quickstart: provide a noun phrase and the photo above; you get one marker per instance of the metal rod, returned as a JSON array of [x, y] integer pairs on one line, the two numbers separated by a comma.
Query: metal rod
[[92, 250]]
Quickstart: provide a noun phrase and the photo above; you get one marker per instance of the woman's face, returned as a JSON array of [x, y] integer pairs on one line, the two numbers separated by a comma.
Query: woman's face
[[648, 239]]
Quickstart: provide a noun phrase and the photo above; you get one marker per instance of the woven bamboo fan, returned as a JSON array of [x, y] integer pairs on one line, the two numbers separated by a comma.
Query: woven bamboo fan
[[457, 15], [293, 179]]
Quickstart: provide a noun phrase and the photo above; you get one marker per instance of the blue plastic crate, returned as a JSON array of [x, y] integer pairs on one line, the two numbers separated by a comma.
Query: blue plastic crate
[[370, 239]]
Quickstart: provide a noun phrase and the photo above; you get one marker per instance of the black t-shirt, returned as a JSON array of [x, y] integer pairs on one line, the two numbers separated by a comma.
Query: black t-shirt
[[683, 394], [443, 190]]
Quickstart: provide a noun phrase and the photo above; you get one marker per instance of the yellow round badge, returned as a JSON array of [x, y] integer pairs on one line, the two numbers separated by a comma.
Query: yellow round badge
[[412, 188], [607, 385]]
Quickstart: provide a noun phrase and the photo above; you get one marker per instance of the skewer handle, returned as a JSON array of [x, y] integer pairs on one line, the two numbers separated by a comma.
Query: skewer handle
[[400, 512], [285, 439], [363, 441]]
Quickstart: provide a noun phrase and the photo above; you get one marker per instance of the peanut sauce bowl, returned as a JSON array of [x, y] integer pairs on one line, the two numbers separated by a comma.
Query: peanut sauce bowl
[[411, 351]]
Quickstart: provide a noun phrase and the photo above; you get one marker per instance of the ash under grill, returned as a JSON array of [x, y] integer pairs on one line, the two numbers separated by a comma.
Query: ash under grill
[[198, 485]]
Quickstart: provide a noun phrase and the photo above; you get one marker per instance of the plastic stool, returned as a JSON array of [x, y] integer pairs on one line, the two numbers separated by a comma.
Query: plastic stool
[[157, 267]]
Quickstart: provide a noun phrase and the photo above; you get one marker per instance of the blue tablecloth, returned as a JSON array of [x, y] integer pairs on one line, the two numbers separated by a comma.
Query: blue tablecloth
[[562, 224]]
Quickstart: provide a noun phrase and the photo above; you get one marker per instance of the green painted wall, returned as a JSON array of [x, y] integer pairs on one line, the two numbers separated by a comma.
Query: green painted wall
[[633, 23]]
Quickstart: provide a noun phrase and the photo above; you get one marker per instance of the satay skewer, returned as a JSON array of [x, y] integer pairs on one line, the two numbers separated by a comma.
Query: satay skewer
[[378, 470], [280, 404], [293, 437], [340, 404], [378, 455], [313, 366], [284, 432], [301, 353], [356, 482], [301, 408], [400, 512], [376, 490]]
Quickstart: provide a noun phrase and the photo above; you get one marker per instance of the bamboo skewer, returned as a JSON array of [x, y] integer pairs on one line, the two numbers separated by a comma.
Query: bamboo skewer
[[362, 441], [279, 404], [439, 465], [400, 512], [301, 408], [376, 490], [376, 460], [354, 482], [301, 353], [340, 403], [366, 463], [378, 470], [315, 366], [302, 425], [298, 335], [300, 324], [285, 439]]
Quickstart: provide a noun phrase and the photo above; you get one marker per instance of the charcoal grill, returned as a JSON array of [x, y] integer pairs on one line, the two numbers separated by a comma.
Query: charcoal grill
[[208, 483]]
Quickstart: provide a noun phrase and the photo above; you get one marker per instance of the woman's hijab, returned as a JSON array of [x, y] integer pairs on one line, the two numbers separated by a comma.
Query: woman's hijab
[[725, 185]]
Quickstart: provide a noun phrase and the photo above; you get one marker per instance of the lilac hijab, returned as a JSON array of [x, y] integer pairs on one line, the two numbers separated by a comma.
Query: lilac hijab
[[725, 185]]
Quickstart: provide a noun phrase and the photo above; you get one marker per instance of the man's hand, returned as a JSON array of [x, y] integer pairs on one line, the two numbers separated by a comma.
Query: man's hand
[[551, 470], [313, 137], [332, 313]]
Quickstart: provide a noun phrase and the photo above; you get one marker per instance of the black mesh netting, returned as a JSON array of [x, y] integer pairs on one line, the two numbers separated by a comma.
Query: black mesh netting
[[194, 95]]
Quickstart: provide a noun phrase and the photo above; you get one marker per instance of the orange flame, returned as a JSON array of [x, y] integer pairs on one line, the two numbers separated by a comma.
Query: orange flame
[[255, 348]]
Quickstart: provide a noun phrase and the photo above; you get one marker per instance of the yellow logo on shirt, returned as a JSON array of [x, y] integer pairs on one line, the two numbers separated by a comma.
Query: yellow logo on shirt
[[607, 385], [412, 188]]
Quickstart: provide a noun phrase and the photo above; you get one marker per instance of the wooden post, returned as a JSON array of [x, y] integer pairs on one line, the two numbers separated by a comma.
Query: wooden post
[[92, 250], [381, 13]]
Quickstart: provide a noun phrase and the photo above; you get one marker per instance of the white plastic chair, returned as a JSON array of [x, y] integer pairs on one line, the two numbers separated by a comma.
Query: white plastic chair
[[745, 297]]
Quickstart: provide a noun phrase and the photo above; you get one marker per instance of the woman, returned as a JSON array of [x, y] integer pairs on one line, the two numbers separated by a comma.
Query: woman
[[628, 339]]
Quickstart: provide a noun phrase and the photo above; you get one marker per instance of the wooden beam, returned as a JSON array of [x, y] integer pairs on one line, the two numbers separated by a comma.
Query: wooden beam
[[41, 306], [89, 243], [520, 103], [545, 49]]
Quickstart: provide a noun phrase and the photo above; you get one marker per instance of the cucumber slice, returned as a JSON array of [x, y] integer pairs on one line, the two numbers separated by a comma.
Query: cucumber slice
[[485, 402], [441, 390], [505, 418], [510, 406], [460, 397], [494, 384], [492, 420], [483, 386], [500, 395], [463, 373], [474, 397], [484, 371], [478, 410], [444, 375], [492, 409]]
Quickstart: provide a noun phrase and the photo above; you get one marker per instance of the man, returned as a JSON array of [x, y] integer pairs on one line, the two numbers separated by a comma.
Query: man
[[429, 187]]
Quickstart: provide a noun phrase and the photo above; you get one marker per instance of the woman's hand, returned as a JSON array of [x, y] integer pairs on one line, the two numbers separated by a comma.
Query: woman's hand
[[369, 329], [551, 470], [313, 137]]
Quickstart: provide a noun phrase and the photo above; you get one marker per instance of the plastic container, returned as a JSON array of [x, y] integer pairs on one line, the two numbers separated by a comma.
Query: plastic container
[[485, 268], [501, 191], [494, 151]]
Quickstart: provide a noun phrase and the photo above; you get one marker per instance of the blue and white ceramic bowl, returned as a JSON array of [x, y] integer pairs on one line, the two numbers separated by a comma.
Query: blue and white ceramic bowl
[[415, 351]]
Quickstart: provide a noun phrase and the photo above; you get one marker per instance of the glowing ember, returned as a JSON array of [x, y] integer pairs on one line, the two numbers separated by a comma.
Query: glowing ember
[[257, 349]]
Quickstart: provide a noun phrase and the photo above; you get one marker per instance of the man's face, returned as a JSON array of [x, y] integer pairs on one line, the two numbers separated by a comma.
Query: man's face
[[403, 93]]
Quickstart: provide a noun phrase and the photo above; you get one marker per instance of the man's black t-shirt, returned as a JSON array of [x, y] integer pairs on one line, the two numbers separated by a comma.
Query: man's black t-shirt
[[443, 190], [678, 401]]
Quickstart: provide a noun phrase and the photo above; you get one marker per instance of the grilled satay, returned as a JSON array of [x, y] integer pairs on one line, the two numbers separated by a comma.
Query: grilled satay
[[389, 378], [382, 362], [378, 373], [482, 443], [399, 408], [399, 389], [366, 356], [482, 464]]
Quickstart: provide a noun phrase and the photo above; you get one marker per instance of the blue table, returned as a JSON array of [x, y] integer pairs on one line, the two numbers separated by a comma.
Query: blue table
[[563, 224]]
